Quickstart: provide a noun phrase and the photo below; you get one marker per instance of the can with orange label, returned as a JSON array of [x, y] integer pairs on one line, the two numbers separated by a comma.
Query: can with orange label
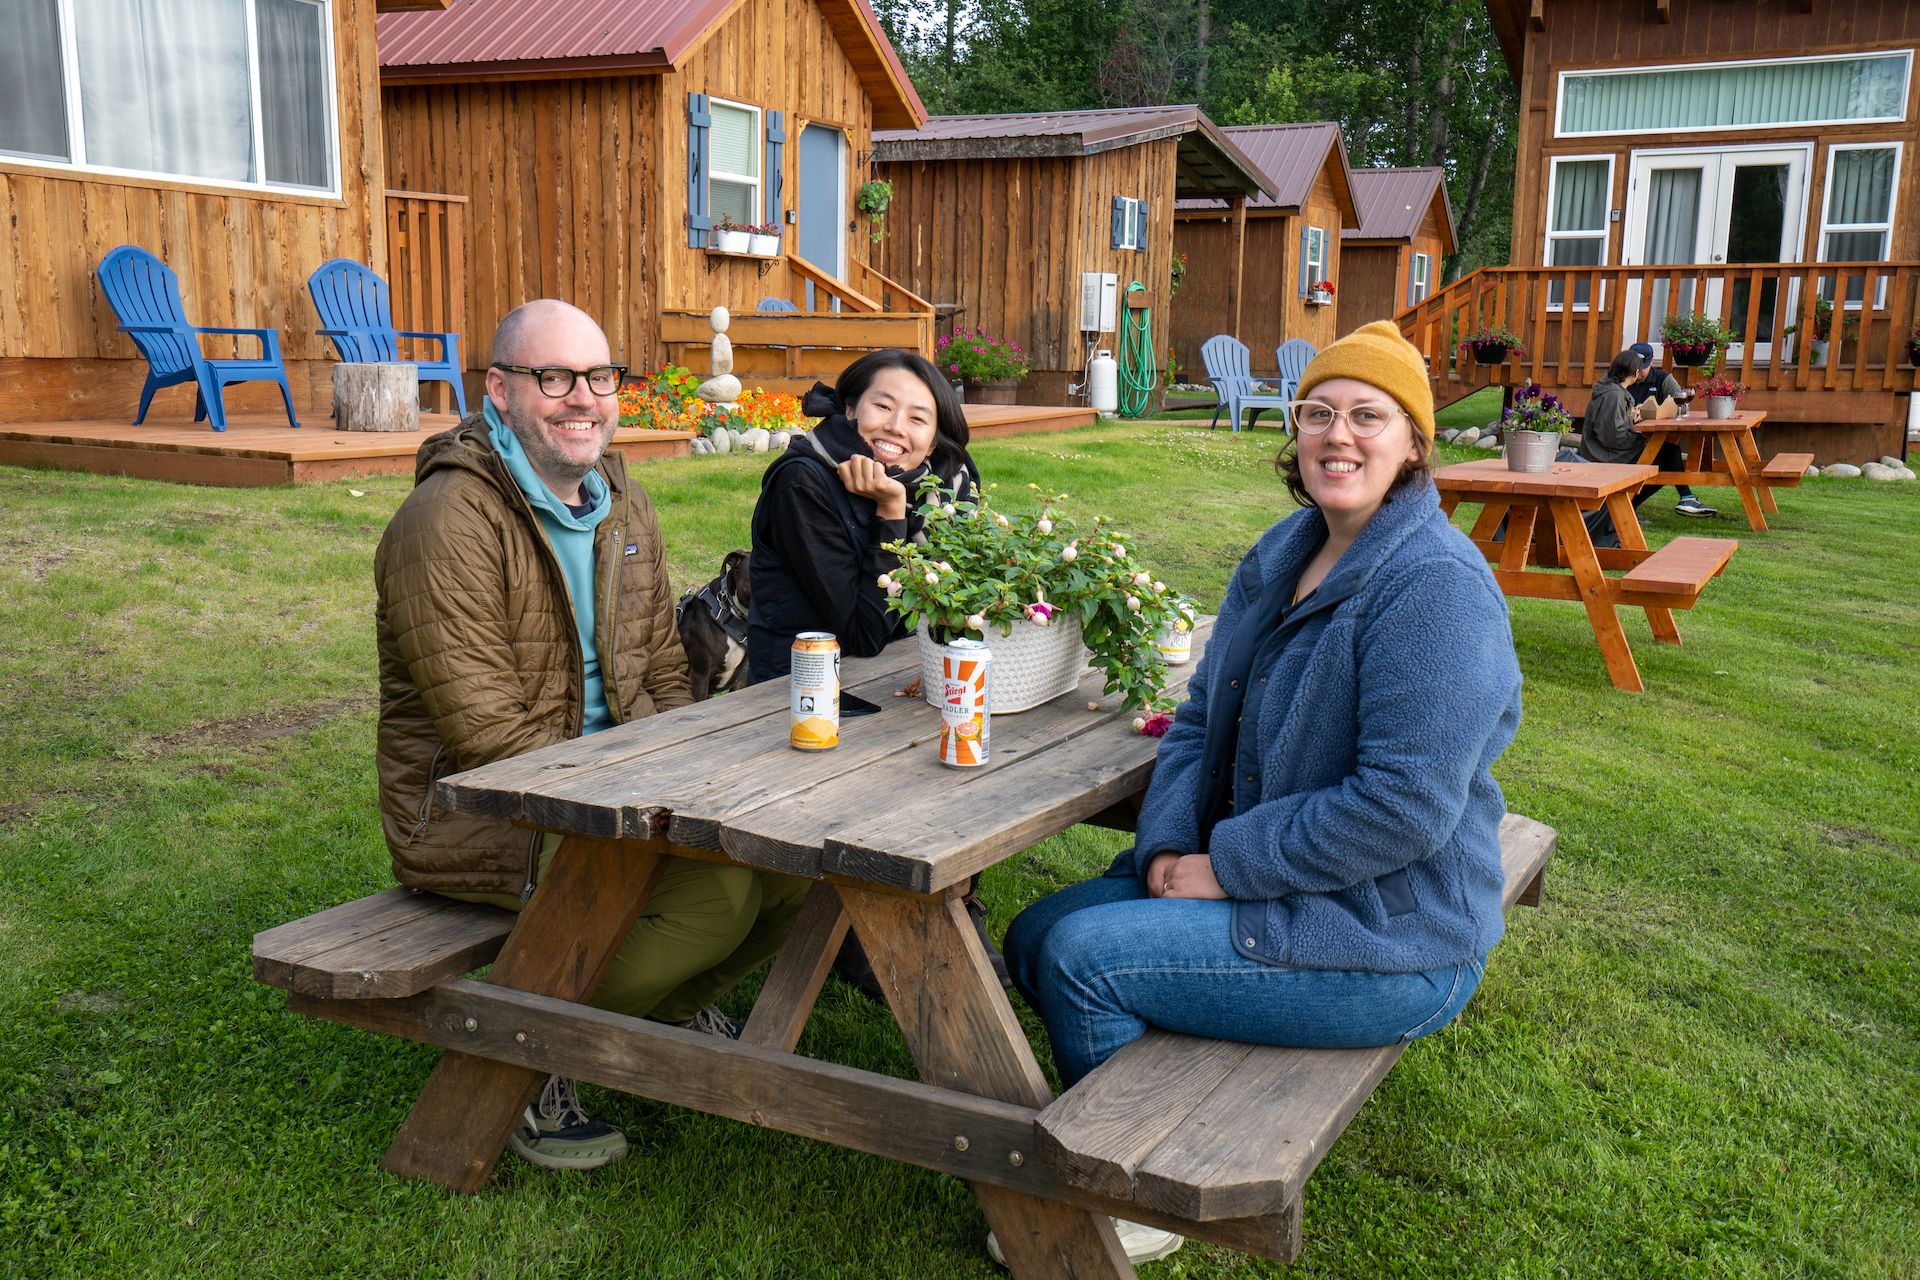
[[814, 692], [966, 719]]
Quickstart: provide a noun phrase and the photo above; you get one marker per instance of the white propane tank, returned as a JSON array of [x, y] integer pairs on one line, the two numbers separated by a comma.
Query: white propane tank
[[1103, 384]]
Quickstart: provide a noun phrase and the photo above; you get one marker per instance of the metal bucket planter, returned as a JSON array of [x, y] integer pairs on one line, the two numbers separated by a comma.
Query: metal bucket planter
[[1719, 406], [1532, 451]]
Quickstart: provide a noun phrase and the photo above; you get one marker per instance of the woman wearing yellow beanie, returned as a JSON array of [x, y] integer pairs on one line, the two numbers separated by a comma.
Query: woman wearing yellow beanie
[[1318, 861]]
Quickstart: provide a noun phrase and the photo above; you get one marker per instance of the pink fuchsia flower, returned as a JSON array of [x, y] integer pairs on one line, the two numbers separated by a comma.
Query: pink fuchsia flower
[[943, 566], [1043, 525], [1133, 604], [1068, 552], [953, 368], [884, 581], [1000, 520], [1040, 613], [976, 622], [933, 579], [1155, 725], [1141, 579], [1159, 586]]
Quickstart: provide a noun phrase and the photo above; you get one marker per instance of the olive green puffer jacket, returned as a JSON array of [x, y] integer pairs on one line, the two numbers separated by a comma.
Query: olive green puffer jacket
[[479, 656]]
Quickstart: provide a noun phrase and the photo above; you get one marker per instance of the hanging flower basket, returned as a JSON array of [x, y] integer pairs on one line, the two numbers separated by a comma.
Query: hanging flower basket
[[1690, 355], [1030, 666]]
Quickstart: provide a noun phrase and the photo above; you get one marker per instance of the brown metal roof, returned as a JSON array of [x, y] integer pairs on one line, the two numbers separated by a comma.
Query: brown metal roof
[[1292, 156], [524, 39], [1394, 202], [1209, 162]]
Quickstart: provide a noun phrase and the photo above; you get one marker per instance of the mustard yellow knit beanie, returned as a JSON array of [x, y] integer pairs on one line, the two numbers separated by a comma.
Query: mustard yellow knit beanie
[[1376, 354]]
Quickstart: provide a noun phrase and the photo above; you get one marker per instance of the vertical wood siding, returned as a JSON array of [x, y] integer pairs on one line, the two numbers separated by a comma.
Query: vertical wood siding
[[1372, 283], [1601, 33], [243, 257]]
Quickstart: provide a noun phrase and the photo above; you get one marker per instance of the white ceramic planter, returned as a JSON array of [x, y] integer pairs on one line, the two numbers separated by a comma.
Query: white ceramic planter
[[1032, 665], [733, 242], [766, 246]]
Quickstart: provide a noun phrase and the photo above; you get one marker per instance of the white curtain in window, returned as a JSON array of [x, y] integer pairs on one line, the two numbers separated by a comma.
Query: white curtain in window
[[1738, 96], [33, 97], [293, 92], [1673, 231], [1580, 196], [1862, 189], [164, 86]]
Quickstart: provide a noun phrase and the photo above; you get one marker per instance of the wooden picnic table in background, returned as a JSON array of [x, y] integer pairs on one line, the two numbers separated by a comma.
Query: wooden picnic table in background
[[1526, 558], [1738, 462]]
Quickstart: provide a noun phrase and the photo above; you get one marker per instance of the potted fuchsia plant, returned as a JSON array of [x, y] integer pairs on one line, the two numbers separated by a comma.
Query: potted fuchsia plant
[[1492, 344], [990, 367]]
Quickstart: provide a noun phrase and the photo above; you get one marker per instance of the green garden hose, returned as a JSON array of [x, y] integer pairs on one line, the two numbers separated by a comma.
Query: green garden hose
[[1139, 373]]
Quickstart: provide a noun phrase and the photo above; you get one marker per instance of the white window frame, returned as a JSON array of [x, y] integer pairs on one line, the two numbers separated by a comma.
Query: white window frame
[[758, 203], [1316, 256], [1893, 203], [1560, 92], [1550, 236], [76, 123], [1133, 223], [1422, 276]]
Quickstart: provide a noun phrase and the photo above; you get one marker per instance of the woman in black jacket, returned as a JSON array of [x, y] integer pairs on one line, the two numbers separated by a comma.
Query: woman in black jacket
[[838, 495]]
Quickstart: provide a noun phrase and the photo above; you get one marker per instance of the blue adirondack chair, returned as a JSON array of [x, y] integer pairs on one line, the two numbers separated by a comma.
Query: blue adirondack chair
[[355, 312], [1230, 371], [775, 304], [1291, 358], [145, 295]]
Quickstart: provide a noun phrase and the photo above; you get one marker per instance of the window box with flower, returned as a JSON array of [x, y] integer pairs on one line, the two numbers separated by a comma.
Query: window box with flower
[[990, 367], [766, 239], [1320, 294], [1035, 588], [732, 237]]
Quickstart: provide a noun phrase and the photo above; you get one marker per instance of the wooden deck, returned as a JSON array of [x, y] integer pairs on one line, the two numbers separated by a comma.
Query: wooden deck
[[256, 450], [261, 449]]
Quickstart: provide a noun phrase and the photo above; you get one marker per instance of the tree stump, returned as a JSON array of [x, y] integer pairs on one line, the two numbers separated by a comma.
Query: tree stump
[[376, 397]]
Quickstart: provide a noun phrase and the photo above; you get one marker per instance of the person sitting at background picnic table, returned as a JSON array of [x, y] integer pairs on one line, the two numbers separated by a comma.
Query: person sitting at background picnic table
[[828, 508], [1607, 435], [522, 600], [1317, 861]]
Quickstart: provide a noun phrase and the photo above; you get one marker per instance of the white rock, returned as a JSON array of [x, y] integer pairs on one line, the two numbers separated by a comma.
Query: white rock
[[1879, 471], [1491, 446], [756, 439], [1449, 434], [1892, 462], [722, 353], [1811, 472], [780, 441], [724, 389], [702, 445], [722, 440], [1906, 473], [1843, 469], [719, 319], [1469, 436]]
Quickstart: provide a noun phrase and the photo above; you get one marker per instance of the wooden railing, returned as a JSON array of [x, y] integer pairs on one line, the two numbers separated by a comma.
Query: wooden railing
[[1572, 320], [791, 348], [427, 263]]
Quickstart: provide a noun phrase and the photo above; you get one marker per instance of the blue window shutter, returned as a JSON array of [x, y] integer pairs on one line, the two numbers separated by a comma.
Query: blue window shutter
[[1303, 260], [1413, 261], [1140, 226], [1119, 222], [699, 121], [776, 145]]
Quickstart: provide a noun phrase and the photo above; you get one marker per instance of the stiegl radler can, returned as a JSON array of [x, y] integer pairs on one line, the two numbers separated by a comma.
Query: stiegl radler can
[[814, 692], [966, 718]]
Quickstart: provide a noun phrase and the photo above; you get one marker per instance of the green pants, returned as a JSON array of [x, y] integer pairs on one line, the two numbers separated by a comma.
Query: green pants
[[704, 928]]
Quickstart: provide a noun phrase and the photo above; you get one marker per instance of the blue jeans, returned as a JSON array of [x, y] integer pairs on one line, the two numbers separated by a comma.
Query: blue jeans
[[1101, 962]]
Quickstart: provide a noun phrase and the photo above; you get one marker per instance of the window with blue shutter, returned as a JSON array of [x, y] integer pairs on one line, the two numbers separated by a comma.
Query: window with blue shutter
[[1119, 239], [1303, 261], [1139, 226], [699, 121]]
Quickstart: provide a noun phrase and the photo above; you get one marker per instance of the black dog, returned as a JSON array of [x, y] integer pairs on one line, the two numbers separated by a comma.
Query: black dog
[[713, 629]]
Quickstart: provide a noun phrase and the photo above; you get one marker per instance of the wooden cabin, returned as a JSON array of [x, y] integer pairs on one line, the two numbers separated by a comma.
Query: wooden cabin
[[1000, 221], [1392, 260], [600, 147], [243, 183], [1747, 161], [1292, 243]]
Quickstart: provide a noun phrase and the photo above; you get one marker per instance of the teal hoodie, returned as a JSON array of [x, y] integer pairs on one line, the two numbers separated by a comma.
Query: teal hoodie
[[571, 537]]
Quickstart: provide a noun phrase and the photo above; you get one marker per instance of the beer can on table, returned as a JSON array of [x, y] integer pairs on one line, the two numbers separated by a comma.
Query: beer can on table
[[814, 692], [965, 717]]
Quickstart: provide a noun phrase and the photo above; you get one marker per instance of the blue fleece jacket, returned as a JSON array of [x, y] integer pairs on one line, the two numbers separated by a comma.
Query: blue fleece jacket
[[571, 538], [1367, 833]]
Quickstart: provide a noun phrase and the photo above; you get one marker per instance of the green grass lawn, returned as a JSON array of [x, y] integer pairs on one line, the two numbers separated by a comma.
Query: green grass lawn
[[1701, 1057]]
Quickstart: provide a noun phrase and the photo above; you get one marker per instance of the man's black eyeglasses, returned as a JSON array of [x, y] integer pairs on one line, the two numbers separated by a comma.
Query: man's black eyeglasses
[[556, 381]]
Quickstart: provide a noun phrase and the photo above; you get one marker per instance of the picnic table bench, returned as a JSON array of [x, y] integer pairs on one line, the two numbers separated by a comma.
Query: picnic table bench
[[1226, 1166], [1544, 531], [1721, 451]]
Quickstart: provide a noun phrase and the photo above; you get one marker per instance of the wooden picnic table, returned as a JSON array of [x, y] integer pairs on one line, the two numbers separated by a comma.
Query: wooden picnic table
[[1532, 549], [1735, 461], [891, 837]]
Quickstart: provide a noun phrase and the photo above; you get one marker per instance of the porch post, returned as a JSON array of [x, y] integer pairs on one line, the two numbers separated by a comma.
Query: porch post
[[1235, 282]]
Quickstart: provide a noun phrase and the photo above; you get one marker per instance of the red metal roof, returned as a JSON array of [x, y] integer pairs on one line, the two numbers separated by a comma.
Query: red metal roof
[[502, 39], [1292, 156], [1393, 203], [1210, 161]]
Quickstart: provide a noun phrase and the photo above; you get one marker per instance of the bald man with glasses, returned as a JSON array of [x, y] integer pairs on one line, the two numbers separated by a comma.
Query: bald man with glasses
[[522, 601]]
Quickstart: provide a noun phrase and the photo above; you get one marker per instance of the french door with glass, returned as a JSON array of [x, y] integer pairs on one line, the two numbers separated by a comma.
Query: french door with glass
[[1724, 206]]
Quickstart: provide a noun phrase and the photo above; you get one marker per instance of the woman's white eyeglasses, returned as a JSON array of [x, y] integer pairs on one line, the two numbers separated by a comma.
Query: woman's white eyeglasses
[[1311, 417]]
